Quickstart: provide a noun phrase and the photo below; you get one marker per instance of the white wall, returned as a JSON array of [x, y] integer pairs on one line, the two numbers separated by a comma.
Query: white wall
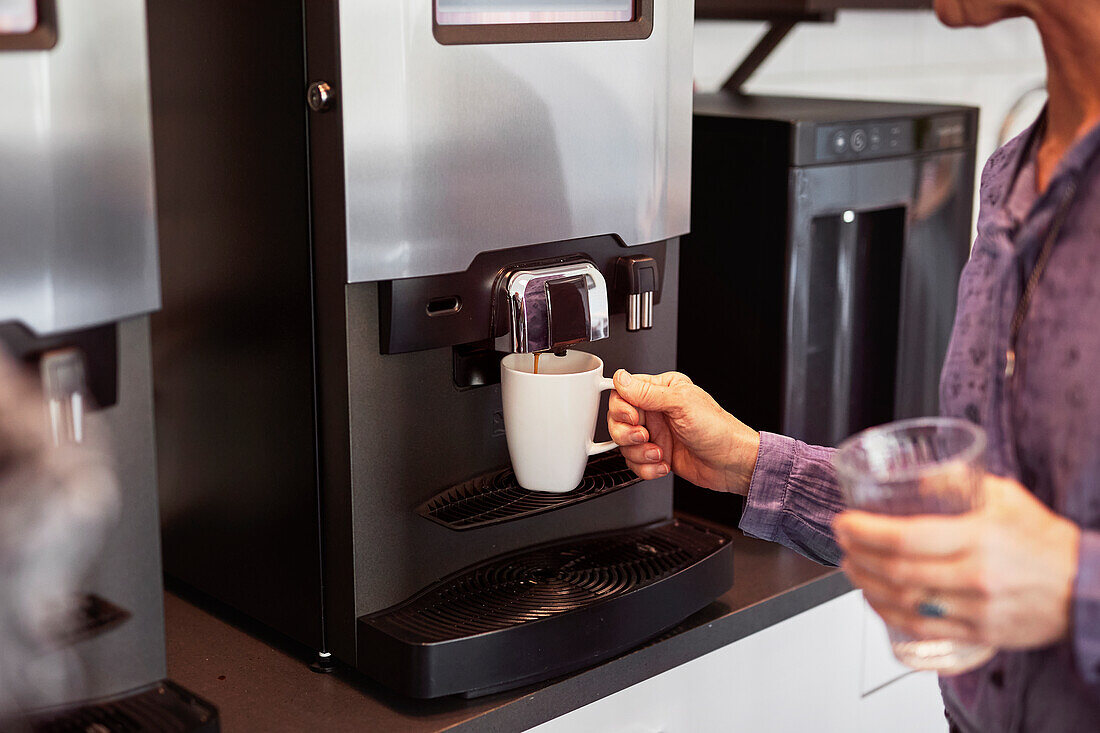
[[886, 55]]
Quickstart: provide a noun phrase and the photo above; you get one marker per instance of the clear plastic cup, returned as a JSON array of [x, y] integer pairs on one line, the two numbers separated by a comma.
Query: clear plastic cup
[[911, 468]]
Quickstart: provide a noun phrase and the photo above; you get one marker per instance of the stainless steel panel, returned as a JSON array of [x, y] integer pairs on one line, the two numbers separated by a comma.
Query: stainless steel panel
[[77, 234], [454, 150]]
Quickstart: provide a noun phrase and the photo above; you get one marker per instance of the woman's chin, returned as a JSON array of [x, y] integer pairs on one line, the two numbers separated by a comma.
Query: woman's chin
[[972, 13], [952, 13]]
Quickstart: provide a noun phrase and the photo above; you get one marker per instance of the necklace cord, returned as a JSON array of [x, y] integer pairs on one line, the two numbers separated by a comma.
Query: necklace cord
[[1036, 275]]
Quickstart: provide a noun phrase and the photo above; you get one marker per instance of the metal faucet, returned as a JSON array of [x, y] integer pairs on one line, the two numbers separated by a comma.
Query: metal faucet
[[551, 308], [637, 276], [65, 387]]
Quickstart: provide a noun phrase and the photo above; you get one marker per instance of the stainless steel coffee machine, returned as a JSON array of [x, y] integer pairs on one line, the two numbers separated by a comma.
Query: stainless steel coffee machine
[[362, 206], [78, 278]]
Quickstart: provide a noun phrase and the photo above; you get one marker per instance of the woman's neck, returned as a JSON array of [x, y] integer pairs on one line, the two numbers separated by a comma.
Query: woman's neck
[[1071, 42]]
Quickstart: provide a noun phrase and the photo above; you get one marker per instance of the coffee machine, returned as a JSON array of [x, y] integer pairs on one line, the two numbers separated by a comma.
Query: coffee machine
[[363, 205], [828, 236], [78, 278]]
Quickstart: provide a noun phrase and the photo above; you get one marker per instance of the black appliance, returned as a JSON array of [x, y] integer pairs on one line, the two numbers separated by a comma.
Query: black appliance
[[827, 241]]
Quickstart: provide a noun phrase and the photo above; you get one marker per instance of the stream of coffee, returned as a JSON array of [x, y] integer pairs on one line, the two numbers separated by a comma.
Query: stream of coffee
[[537, 355]]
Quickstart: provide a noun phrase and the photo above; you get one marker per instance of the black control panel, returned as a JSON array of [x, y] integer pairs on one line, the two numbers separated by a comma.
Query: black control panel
[[819, 131], [871, 139], [944, 133]]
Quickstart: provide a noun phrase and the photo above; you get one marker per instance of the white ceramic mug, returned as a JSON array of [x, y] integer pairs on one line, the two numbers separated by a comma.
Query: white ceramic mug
[[550, 417]]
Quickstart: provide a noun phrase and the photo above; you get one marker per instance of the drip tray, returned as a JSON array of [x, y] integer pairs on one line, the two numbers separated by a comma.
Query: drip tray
[[545, 611], [496, 497], [164, 706]]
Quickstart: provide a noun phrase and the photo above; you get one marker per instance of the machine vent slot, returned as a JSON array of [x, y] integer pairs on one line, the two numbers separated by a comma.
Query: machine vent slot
[[495, 497], [161, 707], [444, 306]]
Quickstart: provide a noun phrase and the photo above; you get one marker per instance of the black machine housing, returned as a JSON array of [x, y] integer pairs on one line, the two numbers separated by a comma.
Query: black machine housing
[[827, 241]]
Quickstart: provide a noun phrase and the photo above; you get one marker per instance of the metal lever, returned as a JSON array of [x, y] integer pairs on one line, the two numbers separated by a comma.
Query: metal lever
[[64, 386], [639, 311], [638, 277], [567, 309]]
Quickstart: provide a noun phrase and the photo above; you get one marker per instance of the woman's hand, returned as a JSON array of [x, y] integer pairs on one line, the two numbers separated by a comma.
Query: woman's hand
[[1003, 575], [665, 423]]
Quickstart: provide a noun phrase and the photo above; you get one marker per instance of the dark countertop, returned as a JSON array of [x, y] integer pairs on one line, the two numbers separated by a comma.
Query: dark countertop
[[261, 683]]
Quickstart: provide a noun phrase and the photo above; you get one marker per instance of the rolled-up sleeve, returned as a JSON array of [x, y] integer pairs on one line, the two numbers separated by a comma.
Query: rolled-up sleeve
[[1086, 610], [793, 498]]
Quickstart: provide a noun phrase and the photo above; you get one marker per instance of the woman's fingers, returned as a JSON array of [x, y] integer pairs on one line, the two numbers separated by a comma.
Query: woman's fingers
[[900, 606], [662, 393], [648, 471], [626, 424], [916, 572], [625, 434], [621, 410], [922, 536], [924, 627], [643, 454]]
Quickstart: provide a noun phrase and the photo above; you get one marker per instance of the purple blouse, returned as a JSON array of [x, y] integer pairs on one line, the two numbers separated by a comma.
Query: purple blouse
[[1043, 425]]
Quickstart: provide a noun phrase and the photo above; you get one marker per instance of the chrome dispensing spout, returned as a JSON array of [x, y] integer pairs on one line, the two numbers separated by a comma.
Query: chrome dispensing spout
[[554, 307], [65, 390]]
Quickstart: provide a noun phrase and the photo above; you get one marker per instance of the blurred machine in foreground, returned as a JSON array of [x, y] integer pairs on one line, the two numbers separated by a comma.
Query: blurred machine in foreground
[[78, 276]]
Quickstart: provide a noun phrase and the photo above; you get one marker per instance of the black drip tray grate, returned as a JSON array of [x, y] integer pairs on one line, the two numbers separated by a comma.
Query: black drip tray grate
[[542, 583], [540, 612], [162, 707], [496, 497]]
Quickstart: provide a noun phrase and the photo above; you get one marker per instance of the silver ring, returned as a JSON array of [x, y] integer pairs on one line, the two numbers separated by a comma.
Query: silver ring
[[932, 607]]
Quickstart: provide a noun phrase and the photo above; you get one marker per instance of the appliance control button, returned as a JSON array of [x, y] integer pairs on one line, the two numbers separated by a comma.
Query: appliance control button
[[895, 137], [859, 141], [840, 142], [875, 138]]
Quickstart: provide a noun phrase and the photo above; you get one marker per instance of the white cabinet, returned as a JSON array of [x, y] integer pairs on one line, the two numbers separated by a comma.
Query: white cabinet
[[880, 666], [808, 673]]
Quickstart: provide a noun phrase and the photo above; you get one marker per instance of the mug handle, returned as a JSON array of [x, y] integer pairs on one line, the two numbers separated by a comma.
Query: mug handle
[[597, 448]]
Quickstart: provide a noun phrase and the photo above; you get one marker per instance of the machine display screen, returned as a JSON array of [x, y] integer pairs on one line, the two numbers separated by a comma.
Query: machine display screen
[[18, 16], [490, 12]]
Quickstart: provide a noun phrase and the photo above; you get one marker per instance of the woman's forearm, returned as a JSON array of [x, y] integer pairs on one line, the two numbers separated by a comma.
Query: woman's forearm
[[793, 496]]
